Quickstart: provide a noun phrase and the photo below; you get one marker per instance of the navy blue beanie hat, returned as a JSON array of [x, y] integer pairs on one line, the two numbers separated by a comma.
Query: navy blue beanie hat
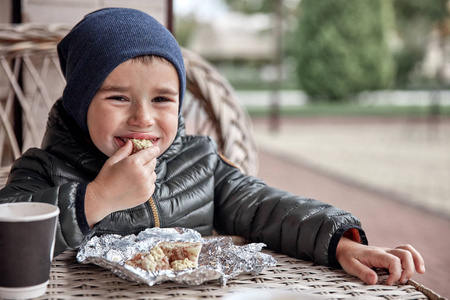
[[102, 41]]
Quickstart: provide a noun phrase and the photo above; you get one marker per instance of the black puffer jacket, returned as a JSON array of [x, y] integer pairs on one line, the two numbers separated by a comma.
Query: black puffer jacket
[[195, 188]]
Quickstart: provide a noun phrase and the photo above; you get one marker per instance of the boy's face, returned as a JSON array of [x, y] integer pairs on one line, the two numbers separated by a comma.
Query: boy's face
[[137, 100]]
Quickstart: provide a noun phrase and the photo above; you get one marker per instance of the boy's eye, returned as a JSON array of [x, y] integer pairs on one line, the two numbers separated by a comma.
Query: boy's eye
[[160, 99], [118, 98]]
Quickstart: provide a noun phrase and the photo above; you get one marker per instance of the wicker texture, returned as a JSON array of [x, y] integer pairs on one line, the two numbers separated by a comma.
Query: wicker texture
[[69, 280], [215, 110], [30, 75]]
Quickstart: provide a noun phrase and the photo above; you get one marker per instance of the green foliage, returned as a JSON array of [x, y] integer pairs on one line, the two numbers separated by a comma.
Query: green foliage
[[251, 6], [343, 47], [347, 109], [433, 11]]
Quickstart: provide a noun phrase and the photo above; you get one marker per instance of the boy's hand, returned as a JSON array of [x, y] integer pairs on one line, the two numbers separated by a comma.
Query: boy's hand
[[125, 181], [358, 260]]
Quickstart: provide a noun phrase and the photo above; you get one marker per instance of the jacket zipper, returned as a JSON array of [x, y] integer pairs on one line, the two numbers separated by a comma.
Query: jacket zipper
[[154, 211]]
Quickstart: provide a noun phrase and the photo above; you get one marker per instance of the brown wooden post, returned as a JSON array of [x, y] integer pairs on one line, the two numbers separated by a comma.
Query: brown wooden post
[[169, 16], [277, 60], [16, 18]]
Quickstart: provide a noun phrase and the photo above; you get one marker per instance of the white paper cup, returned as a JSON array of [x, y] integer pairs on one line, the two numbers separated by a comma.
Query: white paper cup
[[27, 240]]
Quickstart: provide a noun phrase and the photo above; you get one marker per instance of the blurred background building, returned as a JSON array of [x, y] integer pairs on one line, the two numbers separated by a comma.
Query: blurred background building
[[72, 11]]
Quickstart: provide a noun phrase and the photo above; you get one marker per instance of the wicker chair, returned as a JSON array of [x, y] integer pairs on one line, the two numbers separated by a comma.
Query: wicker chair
[[30, 79]]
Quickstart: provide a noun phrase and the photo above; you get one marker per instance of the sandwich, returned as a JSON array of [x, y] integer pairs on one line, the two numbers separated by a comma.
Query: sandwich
[[139, 145], [168, 256]]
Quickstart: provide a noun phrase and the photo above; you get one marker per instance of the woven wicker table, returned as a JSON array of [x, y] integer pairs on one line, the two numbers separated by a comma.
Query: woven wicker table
[[70, 279]]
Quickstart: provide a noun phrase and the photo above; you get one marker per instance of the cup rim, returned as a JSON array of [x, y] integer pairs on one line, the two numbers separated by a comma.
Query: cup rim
[[51, 211]]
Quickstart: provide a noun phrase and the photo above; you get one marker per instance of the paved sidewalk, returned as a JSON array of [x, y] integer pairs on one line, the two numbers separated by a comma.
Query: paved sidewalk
[[392, 174], [405, 158]]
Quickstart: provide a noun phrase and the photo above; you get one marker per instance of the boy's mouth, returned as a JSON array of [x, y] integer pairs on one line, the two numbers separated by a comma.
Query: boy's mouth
[[139, 144], [153, 141]]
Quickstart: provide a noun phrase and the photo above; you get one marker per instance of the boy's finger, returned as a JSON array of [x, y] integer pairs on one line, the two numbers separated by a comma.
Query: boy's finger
[[406, 261], [147, 155], [395, 270], [122, 153], [358, 269], [382, 259], [419, 263], [367, 275]]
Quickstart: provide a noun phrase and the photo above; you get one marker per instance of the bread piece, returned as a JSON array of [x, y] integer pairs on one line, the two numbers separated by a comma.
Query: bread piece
[[168, 256], [138, 145], [182, 255], [155, 260]]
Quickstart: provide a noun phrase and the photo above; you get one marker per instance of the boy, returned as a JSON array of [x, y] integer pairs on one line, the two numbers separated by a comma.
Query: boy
[[126, 79]]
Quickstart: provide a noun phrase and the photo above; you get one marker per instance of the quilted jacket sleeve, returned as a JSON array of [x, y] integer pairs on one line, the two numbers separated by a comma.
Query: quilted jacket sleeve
[[299, 227], [31, 180]]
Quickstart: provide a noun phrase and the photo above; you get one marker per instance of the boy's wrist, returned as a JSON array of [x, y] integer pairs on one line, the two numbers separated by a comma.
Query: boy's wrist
[[349, 239], [93, 209], [344, 245], [352, 233]]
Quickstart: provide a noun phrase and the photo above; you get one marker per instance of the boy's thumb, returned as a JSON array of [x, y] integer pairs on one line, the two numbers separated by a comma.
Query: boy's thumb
[[122, 153]]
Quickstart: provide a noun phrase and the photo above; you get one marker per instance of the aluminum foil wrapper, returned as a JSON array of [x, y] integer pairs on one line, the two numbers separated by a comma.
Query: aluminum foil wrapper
[[219, 258]]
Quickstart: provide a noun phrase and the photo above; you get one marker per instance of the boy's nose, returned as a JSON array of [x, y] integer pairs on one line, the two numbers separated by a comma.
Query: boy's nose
[[141, 116]]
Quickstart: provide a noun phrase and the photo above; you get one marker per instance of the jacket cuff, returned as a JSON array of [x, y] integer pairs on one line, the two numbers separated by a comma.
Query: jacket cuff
[[79, 208], [351, 231]]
